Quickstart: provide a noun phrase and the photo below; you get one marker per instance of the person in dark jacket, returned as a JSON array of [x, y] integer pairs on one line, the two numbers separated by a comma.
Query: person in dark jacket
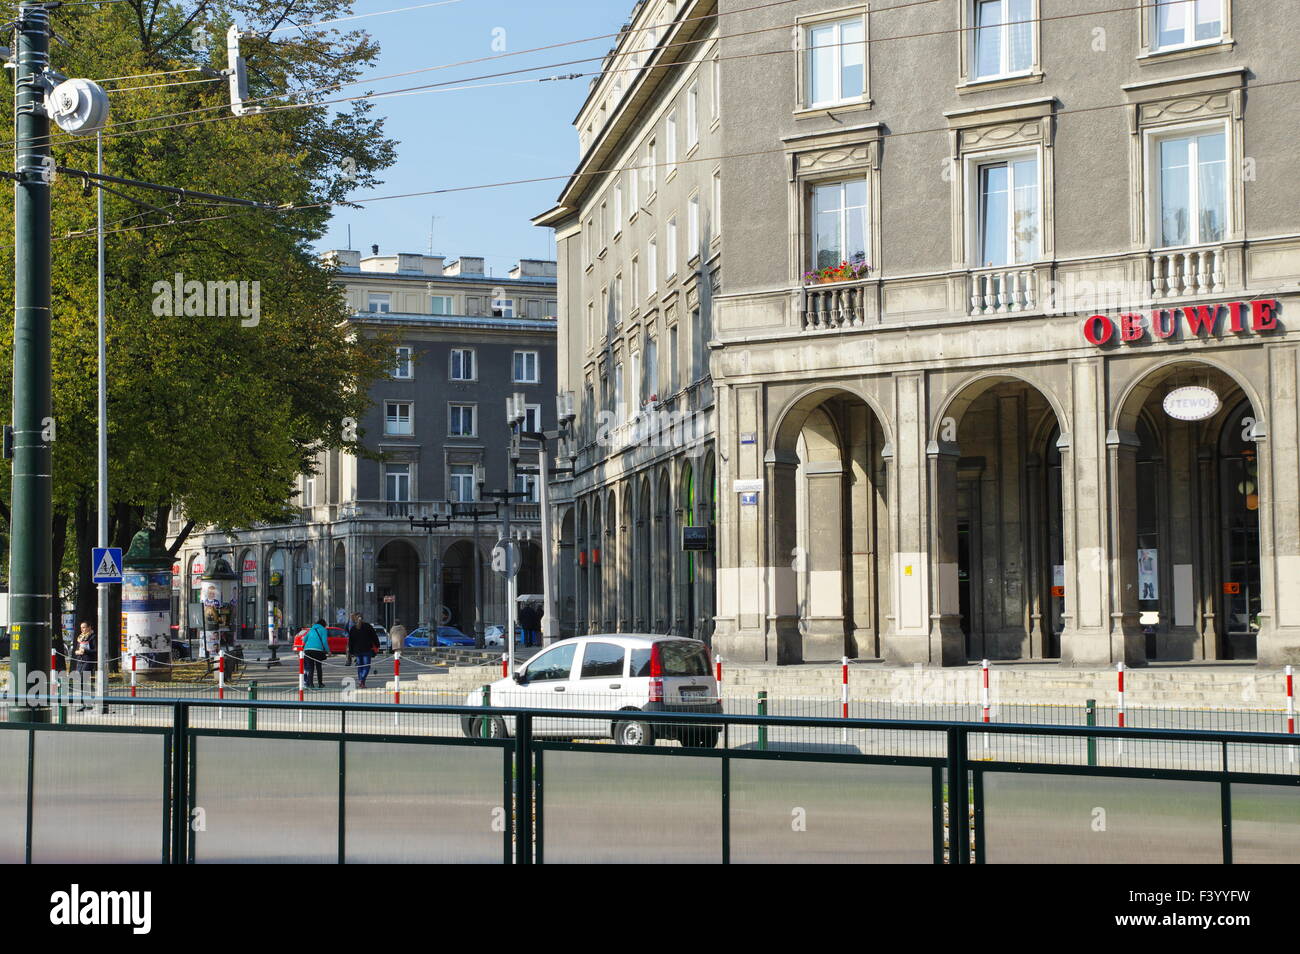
[[363, 643], [530, 621], [86, 656]]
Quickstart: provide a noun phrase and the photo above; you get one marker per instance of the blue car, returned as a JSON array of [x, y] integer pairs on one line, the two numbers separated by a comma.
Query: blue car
[[446, 636]]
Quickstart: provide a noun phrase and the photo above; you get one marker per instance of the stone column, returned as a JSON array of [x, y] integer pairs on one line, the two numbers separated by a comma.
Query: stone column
[[1121, 464], [1086, 640], [1196, 593], [947, 641], [861, 531], [783, 640], [911, 638], [1039, 515], [1277, 447], [823, 616]]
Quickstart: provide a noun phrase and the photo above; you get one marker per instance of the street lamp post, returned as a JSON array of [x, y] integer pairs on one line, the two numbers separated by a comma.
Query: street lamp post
[[428, 525], [564, 414]]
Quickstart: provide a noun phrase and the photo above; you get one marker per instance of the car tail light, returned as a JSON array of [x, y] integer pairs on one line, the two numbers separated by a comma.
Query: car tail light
[[656, 674]]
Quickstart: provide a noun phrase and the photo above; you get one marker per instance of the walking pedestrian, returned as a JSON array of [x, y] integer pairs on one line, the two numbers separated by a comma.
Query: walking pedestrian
[[363, 643], [528, 623], [316, 649], [85, 655]]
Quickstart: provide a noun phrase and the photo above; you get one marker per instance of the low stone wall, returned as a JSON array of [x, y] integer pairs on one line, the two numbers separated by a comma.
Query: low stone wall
[[1227, 685]]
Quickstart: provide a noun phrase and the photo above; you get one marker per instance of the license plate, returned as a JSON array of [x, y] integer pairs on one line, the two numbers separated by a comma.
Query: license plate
[[693, 692]]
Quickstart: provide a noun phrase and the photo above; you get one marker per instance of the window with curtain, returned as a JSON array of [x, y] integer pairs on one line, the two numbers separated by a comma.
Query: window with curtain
[[836, 61], [1192, 188], [1004, 37], [1008, 211], [839, 223], [1186, 22]]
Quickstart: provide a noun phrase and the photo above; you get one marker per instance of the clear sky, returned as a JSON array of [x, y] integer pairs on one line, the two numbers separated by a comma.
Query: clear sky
[[461, 138]]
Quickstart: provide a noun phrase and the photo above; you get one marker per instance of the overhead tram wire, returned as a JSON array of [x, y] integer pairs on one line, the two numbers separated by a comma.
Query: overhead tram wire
[[551, 66], [365, 200], [359, 16]]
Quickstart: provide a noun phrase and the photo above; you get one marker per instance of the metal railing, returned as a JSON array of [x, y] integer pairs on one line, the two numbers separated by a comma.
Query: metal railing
[[323, 781]]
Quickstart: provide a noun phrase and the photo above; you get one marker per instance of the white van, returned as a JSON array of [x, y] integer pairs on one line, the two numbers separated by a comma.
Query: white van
[[619, 672]]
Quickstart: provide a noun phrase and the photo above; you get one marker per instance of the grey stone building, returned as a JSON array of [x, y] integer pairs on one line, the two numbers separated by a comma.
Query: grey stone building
[[639, 249], [1057, 417], [466, 341]]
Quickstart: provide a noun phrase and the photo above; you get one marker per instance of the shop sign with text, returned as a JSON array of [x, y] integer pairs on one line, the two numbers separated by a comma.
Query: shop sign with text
[[1194, 321]]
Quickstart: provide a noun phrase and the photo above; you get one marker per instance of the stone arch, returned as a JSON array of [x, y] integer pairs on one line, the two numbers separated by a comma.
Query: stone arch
[[1133, 396], [789, 421], [958, 399]]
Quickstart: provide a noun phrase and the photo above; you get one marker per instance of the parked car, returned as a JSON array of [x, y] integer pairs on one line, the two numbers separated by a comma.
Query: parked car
[[637, 674], [446, 636], [385, 641], [336, 636], [496, 635]]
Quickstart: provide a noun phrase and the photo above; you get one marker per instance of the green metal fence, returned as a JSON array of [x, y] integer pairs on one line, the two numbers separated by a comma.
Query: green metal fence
[[279, 781]]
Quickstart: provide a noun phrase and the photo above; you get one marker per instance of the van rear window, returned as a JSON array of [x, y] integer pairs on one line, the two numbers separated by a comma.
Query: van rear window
[[679, 658]]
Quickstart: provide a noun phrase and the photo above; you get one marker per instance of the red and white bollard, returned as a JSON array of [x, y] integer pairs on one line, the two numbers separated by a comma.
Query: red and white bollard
[[844, 694], [397, 677], [221, 674], [133, 658], [1290, 712], [1119, 695], [54, 675], [717, 665], [301, 656], [984, 689], [505, 667]]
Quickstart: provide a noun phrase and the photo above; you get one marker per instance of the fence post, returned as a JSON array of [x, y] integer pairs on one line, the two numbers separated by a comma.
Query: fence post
[[958, 799], [524, 787], [762, 710], [181, 783], [844, 695], [485, 731], [1090, 711], [252, 713]]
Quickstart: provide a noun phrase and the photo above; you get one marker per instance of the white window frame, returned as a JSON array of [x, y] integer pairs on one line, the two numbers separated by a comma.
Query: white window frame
[[393, 426], [633, 194], [652, 266], [1152, 15], [807, 61], [618, 207], [399, 471], [526, 484], [452, 407], [974, 232], [376, 299], [811, 224], [403, 359], [670, 247], [716, 103], [514, 367], [1004, 42], [506, 307], [618, 298], [634, 274], [449, 303], [717, 203], [308, 496], [693, 226], [651, 170], [693, 115], [451, 364], [533, 412], [670, 144], [1152, 138], [454, 481]]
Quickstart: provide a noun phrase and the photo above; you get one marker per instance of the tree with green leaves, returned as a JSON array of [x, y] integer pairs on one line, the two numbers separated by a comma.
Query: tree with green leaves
[[211, 416]]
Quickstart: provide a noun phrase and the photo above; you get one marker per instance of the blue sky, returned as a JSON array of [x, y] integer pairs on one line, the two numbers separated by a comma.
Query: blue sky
[[460, 138]]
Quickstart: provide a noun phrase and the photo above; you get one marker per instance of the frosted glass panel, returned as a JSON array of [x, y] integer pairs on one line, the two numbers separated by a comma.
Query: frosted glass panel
[[410, 803], [98, 798], [13, 796], [1071, 819], [266, 800], [619, 808], [1265, 824], [810, 812]]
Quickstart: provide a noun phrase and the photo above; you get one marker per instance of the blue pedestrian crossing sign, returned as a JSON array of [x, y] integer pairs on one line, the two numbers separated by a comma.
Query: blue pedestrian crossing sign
[[106, 564]]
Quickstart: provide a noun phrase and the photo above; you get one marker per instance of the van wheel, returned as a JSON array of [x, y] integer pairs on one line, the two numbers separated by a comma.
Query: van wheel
[[634, 733], [496, 728], [701, 738]]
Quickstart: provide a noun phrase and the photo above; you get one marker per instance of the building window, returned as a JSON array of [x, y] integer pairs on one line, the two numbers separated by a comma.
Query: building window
[[441, 305], [839, 223], [1191, 188], [618, 298], [836, 61], [693, 226], [652, 266], [397, 419], [670, 143], [634, 362], [635, 273], [634, 200], [460, 481], [1008, 212], [1187, 23], [586, 241], [604, 226], [379, 303], [650, 389], [402, 364], [462, 364], [717, 86], [618, 206], [503, 307], [651, 169], [717, 203], [672, 360], [693, 116], [533, 418], [618, 391], [591, 324], [461, 420], [525, 367], [1004, 38], [526, 484], [670, 248], [308, 490], [397, 482]]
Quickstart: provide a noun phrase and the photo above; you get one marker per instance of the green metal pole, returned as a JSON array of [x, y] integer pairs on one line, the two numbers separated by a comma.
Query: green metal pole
[[762, 710], [31, 527], [252, 713], [484, 730], [1091, 711]]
